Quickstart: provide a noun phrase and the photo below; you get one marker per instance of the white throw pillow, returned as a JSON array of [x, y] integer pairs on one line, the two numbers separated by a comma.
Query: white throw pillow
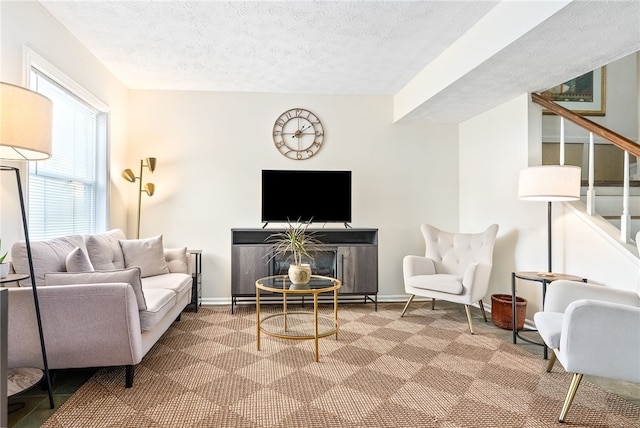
[[147, 254], [130, 276], [77, 261]]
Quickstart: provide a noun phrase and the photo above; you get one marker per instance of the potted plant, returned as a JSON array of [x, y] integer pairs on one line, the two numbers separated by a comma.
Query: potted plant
[[4, 267], [295, 243]]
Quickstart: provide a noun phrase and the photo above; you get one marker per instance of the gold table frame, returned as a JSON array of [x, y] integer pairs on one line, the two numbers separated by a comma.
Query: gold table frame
[[270, 283]]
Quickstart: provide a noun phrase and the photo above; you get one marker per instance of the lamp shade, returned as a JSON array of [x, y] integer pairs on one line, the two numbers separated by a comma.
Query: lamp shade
[[26, 122], [550, 183]]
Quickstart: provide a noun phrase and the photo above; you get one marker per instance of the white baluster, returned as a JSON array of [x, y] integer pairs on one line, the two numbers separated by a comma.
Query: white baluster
[[591, 192], [625, 219], [561, 140]]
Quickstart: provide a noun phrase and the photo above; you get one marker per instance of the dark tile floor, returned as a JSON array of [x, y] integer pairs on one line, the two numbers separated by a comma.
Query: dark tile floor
[[30, 408]]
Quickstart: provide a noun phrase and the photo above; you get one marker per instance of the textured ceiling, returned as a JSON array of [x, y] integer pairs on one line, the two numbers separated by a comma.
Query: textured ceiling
[[345, 47]]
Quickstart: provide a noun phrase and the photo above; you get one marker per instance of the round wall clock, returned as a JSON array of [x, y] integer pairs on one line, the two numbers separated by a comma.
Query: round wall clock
[[298, 134]]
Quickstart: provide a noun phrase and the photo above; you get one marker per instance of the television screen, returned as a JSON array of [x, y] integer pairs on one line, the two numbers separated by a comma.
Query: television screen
[[317, 196]]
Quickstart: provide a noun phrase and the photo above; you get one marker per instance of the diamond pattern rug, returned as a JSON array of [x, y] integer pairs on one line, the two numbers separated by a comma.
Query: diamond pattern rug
[[422, 370]]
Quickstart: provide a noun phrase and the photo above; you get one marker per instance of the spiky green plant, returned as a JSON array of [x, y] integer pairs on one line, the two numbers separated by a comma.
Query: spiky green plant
[[294, 242], [5, 253]]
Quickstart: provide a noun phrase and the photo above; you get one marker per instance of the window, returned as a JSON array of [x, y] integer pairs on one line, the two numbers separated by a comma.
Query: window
[[67, 193]]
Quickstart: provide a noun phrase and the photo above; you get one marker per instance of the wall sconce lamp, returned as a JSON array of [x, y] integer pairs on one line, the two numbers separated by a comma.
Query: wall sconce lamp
[[148, 188]]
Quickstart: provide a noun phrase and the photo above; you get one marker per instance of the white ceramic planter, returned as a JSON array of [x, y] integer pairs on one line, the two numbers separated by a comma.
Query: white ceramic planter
[[4, 270], [300, 275]]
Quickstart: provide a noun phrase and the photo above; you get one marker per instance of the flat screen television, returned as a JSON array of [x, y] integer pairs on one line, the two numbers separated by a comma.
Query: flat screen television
[[325, 196]]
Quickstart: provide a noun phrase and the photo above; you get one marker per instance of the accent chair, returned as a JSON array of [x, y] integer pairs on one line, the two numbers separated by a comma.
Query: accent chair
[[592, 330], [456, 268]]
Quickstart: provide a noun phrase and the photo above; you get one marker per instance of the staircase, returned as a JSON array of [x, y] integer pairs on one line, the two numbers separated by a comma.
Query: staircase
[[611, 200]]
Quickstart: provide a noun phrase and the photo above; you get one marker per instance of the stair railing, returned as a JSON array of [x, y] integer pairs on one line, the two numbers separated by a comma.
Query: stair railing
[[628, 146]]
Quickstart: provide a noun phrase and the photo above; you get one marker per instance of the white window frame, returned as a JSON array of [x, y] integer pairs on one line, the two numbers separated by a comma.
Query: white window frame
[[34, 60]]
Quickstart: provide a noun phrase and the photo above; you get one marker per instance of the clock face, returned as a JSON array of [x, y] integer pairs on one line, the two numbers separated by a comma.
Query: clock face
[[298, 134]]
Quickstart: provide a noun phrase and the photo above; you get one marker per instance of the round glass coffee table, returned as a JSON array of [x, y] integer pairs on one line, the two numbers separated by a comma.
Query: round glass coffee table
[[298, 325]]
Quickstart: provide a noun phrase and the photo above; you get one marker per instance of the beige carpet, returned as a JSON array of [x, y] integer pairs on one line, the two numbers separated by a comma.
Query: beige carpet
[[423, 370]]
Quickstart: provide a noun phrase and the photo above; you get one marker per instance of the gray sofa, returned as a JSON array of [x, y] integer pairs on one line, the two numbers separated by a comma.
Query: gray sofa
[[104, 300]]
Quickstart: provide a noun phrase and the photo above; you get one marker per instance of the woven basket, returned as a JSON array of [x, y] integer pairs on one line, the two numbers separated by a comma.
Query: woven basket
[[501, 311]]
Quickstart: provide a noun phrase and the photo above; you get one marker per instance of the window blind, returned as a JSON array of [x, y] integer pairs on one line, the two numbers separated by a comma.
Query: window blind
[[62, 189]]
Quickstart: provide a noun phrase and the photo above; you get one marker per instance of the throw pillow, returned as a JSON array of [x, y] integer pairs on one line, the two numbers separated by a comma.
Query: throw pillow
[[176, 260], [147, 254], [77, 261], [130, 276], [104, 250]]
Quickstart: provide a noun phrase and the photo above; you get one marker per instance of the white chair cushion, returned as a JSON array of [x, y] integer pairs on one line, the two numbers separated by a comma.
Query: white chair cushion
[[549, 325], [444, 283]]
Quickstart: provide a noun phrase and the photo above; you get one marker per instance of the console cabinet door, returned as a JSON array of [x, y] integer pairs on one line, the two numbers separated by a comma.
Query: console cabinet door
[[249, 263], [358, 269]]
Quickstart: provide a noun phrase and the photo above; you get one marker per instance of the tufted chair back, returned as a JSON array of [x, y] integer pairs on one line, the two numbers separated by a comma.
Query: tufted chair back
[[452, 253]]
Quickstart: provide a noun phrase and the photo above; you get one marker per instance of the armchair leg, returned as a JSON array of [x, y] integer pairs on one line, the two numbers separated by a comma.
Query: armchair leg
[[433, 304], [407, 305], [467, 308], [573, 388], [484, 314], [551, 362]]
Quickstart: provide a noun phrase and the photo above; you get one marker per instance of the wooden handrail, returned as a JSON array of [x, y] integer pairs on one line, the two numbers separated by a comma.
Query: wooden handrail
[[615, 138]]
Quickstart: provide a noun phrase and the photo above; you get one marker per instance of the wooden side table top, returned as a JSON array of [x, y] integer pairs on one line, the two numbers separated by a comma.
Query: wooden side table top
[[22, 378], [544, 276], [13, 277]]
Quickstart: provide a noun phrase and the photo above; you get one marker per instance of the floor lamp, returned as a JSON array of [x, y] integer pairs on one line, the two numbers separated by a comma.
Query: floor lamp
[[26, 121], [148, 188], [549, 183]]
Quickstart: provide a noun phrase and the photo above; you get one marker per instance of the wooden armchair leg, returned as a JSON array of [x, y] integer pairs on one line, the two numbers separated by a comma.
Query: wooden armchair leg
[[551, 362], [467, 308], [407, 305], [484, 314]]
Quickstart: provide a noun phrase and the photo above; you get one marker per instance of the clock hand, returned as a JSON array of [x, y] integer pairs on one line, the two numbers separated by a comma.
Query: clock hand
[[298, 133]]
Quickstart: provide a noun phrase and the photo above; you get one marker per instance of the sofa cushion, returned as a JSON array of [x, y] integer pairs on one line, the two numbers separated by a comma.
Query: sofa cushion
[[176, 282], [48, 256], [130, 276], [159, 302], [78, 261], [176, 259], [104, 250], [147, 254]]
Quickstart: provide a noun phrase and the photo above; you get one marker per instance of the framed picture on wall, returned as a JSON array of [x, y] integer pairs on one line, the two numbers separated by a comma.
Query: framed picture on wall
[[585, 95]]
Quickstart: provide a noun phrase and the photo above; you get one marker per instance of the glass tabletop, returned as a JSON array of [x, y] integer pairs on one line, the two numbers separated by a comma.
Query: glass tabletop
[[282, 284]]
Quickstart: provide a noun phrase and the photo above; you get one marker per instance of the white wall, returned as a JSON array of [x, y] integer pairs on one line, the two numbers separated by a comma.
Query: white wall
[[29, 24], [493, 150], [211, 148]]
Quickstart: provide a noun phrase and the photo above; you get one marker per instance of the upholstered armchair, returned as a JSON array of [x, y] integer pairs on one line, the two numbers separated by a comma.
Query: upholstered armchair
[[593, 330], [456, 268]]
